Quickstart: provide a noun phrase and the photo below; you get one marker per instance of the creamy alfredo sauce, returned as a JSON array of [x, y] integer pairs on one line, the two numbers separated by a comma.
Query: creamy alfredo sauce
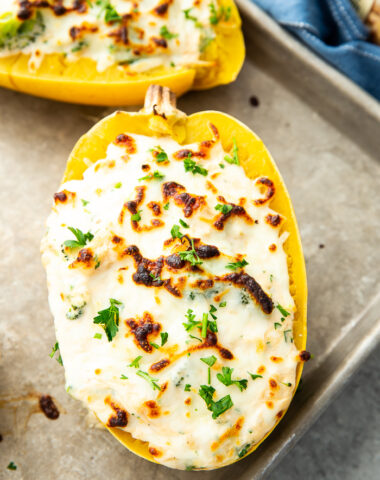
[[157, 397], [138, 35]]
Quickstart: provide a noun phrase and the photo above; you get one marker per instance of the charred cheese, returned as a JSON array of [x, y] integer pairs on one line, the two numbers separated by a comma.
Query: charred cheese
[[137, 35], [169, 287]]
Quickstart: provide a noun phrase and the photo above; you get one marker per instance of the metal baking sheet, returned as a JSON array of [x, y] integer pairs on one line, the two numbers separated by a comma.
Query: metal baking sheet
[[324, 134]]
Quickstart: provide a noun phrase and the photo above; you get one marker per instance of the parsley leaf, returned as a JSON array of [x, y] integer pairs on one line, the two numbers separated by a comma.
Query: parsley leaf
[[225, 378], [191, 256], [149, 379], [123, 377], [187, 387], [136, 362], [166, 206], [98, 336], [164, 338], [159, 152], [195, 338], [218, 15], [191, 166], [244, 450], [81, 238], [236, 265], [156, 175], [212, 310], [109, 319], [254, 375], [223, 208], [191, 17], [164, 33], [222, 304], [204, 325], [286, 337], [118, 185], [209, 360], [154, 345], [12, 466], [175, 232], [217, 408], [235, 158], [191, 321], [55, 349], [110, 14], [183, 223], [136, 217], [282, 310], [277, 325]]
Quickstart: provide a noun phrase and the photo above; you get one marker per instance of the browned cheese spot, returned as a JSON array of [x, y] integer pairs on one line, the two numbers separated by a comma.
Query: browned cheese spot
[[203, 151], [273, 220], [269, 404], [273, 383], [85, 259], [181, 198], [64, 196], [153, 409], [269, 191], [77, 33], [48, 407], [162, 8], [142, 329], [261, 369], [188, 401], [127, 142], [160, 42], [155, 207], [276, 359], [120, 35], [156, 367], [121, 417], [27, 6], [244, 280], [279, 414], [272, 247], [153, 451], [229, 433], [236, 211]]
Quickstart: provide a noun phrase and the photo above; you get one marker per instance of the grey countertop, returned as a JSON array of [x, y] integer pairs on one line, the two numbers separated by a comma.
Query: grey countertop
[[345, 442]]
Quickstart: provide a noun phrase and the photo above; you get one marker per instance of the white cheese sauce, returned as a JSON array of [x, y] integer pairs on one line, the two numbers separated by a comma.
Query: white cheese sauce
[[178, 425], [150, 40]]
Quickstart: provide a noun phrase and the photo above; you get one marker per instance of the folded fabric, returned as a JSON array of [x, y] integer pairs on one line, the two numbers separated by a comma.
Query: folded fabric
[[333, 30]]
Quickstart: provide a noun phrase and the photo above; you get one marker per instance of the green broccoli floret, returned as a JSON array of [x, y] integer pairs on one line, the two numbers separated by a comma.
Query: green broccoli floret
[[17, 34]]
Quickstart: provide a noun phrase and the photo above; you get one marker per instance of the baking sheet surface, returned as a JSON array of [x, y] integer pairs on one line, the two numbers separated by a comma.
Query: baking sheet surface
[[334, 185]]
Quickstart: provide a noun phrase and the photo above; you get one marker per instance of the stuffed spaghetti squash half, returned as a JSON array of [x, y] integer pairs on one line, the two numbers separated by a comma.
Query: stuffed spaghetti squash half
[[177, 284], [107, 52]]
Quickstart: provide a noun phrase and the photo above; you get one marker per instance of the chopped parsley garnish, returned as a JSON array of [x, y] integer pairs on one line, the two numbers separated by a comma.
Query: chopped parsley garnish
[[211, 311], [226, 379], [191, 321], [183, 223], [98, 336], [75, 311], [118, 185], [209, 375], [236, 265], [175, 232], [136, 362], [55, 349], [12, 466], [149, 379], [204, 325], [286, 337], [191, 17], [217, 15], [81, 238], [222, 304], [217, 408], [210, 361], [109, 319], [191, 256], [221, 165], [160, 154], [187, 387], [164, 338], [166, 206], [195, 338], [223, 208], [277, 325], [155, 278], [254, 375], [191, 166], [110, 14], [84, 202], [154, 345], [123, 377], [156, 175], [136, 217], [79, 46], [271, 278], [244, 450], [282, 310], [164, 33], [235, 157], [287, 384]]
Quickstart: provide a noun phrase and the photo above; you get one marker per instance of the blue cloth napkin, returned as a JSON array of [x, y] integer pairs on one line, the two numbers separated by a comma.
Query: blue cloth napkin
[[333, 30]]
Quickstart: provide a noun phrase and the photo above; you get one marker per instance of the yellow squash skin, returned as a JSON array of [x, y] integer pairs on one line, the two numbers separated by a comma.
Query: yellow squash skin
[[80, 82], [256, 161]]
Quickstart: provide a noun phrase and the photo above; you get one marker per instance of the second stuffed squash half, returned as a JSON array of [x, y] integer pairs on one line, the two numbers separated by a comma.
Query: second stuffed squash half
[[107, 52]]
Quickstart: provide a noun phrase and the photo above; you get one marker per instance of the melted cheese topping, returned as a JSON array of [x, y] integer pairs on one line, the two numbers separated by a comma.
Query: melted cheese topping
[[146, 34], [258, 346]]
